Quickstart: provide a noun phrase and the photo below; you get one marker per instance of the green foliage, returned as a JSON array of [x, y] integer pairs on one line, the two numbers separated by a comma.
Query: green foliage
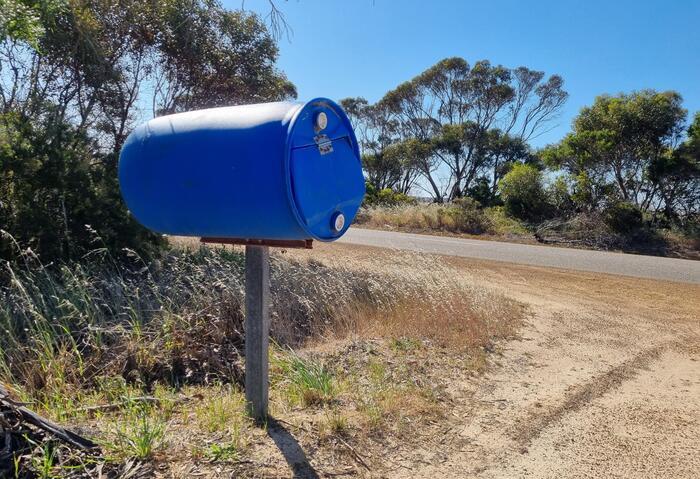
[[503, 224], [523, 194], [676, 174], [80, 74], [308, 381], [622, 148], [623, 217], [20, 20], [385, 197], [469, 216], [583, 194], [453, 125], [559, 196], [217, 56], [226, 452], [693, 143], [405, 344], [224, 412], [140, 434], [58, 195], [382, 169]]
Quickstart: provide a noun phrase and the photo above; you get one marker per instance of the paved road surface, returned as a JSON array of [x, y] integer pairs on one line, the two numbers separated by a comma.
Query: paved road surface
[[653, 267]]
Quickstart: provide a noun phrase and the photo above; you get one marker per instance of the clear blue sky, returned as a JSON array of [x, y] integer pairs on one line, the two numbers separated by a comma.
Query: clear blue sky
[[367, 47]]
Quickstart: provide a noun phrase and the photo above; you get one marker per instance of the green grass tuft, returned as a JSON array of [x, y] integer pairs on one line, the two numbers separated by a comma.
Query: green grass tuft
[[308, 382], [140, 435]]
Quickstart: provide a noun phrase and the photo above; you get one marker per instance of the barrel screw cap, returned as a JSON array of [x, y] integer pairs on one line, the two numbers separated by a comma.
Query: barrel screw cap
[[338, 222], [321, 121]]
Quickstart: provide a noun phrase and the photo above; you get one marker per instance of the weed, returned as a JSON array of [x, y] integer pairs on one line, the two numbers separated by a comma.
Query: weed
[[389, 397], [335, 423], [44, 463], [227, 452], [404, 344], [140, 435], [308, 382], [224, 411]]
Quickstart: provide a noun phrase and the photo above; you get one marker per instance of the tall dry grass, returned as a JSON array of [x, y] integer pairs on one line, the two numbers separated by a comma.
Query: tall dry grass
[[409, 295], [464, 216], [180, 320]]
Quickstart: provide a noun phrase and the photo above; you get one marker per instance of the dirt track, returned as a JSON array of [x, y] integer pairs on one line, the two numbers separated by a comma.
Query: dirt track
[[604, 382]]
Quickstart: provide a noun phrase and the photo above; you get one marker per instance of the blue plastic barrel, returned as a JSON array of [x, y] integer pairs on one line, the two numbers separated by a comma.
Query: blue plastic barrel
[[284, 170]]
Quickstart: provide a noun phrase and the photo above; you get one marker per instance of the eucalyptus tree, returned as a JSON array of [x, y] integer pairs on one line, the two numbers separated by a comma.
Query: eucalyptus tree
[[460, 110], [677, 177], [629, 148], [76, 76], [103, 63]]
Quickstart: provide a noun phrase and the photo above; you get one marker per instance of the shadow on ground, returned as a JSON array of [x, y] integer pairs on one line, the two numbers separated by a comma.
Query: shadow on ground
[[291, 450]]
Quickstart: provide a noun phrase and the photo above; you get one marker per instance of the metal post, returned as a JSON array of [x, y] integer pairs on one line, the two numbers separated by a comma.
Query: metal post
[[257, 327]]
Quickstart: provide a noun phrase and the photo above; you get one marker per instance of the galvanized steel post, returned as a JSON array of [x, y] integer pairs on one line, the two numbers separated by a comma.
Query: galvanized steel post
[[257, 327]]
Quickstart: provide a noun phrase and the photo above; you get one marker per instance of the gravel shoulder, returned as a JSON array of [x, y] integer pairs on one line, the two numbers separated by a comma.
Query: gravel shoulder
[[604, 381]]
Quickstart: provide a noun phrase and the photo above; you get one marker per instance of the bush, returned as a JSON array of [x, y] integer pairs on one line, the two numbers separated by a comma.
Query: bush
[[559, 197], [469, 216], [502, 224], [623, 217], [482, 192], [385, 197], [523, 193], [59, 196]]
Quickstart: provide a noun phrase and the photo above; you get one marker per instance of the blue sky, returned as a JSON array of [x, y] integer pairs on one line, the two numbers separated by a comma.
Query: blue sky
[[367, 47]]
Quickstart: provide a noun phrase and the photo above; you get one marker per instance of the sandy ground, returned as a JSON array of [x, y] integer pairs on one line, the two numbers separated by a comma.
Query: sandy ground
[[603, 382]]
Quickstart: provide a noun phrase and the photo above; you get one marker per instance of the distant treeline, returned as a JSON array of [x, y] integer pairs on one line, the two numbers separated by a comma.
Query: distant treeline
[[458, 131]]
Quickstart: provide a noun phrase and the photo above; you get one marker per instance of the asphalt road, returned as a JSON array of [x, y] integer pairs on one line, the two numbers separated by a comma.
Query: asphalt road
[[640, 266]]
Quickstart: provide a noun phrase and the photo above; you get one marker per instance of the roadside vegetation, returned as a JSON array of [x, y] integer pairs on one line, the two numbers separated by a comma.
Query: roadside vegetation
[[147, 357], [619, 228], [461, 217], [627, 177]]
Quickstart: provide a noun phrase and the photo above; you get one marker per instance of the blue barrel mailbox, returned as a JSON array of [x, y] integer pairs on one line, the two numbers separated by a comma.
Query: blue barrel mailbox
[[273, 171]]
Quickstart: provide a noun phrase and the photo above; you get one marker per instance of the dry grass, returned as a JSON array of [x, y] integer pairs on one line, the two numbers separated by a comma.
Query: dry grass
[[82, 337], [583, 230], [462, 218], [422, 299]]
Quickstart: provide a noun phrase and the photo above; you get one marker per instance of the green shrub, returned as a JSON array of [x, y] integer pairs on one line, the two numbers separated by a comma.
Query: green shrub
[[308, 382], [623, 217], [385, 197], [523, 194], [559, 196], [59, 196], [502, 224], [481, 191], [469, 216]]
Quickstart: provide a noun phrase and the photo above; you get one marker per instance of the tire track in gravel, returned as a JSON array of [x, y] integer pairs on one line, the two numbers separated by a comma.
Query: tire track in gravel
[[583, 394]]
